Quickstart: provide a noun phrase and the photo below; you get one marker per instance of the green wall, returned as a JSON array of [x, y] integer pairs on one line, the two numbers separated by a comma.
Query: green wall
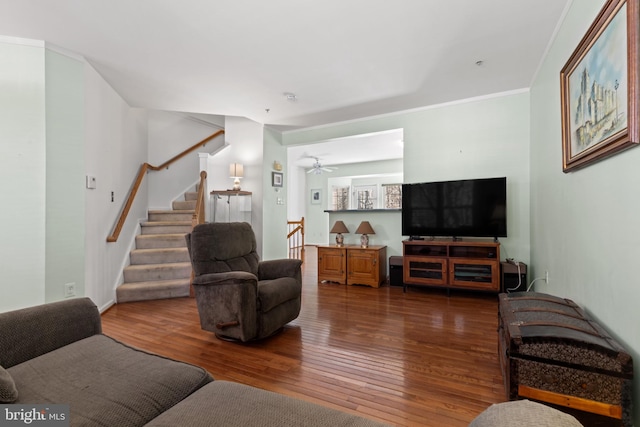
[[584, 224], [65, 175], [42, 171], [22, 174], [274, 199], [477, 138]]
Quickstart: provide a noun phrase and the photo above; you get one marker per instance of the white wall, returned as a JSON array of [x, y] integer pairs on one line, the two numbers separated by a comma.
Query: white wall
[[296, 190], [169, 135], [115, 147], [478, 138], [584, 224], [62, 121], [245, 140], [22, 173]]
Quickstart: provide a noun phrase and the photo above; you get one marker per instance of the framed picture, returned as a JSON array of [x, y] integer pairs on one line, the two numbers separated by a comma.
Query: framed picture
[[276, 179], [599, 88], [316, 197]]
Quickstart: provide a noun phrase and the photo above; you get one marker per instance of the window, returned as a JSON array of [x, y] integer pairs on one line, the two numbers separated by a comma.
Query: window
[[365, 197], [340, 198], [392, 196]]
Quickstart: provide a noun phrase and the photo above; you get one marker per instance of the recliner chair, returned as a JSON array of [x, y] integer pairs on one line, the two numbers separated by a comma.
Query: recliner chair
[[238, 296]]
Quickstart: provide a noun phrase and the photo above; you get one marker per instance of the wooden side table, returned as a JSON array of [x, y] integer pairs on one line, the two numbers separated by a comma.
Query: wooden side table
[[366, 266], [332, 264]]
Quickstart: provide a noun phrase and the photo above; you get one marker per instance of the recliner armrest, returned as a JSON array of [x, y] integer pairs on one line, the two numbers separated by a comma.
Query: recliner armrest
[[274, 269], [228, 278]]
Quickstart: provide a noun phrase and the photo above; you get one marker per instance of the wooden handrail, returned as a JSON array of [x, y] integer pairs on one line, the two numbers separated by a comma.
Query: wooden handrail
[[298, 250], [299, 227], [138, 181], [295, 230], [198, 215]]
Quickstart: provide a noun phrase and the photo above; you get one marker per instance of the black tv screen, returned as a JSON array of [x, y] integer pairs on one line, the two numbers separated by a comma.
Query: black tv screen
[[465, 208]]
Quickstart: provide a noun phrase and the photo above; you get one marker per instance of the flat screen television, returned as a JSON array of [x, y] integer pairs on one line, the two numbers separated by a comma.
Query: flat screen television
[[464, 208]]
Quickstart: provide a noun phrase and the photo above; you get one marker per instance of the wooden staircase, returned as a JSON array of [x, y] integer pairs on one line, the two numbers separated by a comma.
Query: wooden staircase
[[160, 266]]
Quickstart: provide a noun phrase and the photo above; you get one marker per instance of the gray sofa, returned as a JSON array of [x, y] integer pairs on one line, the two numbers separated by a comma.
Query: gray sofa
[[56, 354]]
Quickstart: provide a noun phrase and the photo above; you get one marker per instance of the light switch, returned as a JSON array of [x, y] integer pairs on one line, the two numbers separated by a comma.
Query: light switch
[[91, 182]]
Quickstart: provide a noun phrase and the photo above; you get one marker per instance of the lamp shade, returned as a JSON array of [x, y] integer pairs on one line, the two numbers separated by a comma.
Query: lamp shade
[[236, 170], [365, 228], [339, 227]]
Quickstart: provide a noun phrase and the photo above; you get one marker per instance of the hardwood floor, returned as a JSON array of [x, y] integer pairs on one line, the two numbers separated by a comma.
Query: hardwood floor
[[414, 359]]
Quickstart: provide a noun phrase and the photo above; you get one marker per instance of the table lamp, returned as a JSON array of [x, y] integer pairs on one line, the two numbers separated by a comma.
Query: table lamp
[[339, 228], [364, 228], [236, 171]]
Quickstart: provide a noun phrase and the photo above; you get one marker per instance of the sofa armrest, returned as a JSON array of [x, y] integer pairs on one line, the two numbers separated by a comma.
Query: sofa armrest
[[33, 331], [274, 269]]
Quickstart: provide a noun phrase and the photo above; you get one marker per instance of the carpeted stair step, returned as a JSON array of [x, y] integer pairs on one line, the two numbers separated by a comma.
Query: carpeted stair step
[[160, 266], [183, 205], [160, 289], [152, 241], [170, 215], [159, 256], [150, 272], [165, 227]]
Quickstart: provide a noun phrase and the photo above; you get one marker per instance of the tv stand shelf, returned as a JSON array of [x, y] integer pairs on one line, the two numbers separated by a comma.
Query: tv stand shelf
[[452, 264]]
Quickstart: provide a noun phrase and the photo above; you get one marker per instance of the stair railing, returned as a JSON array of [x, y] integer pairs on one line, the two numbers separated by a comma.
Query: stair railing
[[198, 215], [138, 181], [198, 218], [295, 239]]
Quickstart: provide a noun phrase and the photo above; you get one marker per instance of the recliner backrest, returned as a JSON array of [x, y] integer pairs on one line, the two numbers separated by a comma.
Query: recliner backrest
[[222, 247]]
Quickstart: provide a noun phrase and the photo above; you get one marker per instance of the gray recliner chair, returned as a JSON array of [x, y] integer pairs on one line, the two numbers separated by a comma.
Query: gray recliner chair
[[240, 297]]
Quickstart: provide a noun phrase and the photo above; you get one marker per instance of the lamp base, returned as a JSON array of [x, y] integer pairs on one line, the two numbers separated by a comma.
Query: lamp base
[[236, 184], [339, 239], [364, 241]]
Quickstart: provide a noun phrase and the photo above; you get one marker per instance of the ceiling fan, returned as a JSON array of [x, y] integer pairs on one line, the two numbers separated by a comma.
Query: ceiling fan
[[317, 167]]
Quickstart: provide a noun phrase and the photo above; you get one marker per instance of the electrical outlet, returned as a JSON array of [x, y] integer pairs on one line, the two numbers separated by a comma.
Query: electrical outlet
[[546, 277], [69, 290]]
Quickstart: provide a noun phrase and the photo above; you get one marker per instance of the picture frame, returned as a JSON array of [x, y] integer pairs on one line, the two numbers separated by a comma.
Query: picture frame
[[599, 88], [316, 196], [276, 179]]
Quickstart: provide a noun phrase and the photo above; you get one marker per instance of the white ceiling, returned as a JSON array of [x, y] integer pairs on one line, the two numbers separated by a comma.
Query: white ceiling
[[354, 149], [343, 59]]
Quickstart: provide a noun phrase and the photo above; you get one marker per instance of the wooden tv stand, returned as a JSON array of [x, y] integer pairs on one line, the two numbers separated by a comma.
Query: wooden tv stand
[[473, 265]]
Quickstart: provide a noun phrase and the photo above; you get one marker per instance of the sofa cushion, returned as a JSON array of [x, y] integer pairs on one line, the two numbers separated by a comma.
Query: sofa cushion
[[106, 382], [228, 404], [523, 413], [8, 390]]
